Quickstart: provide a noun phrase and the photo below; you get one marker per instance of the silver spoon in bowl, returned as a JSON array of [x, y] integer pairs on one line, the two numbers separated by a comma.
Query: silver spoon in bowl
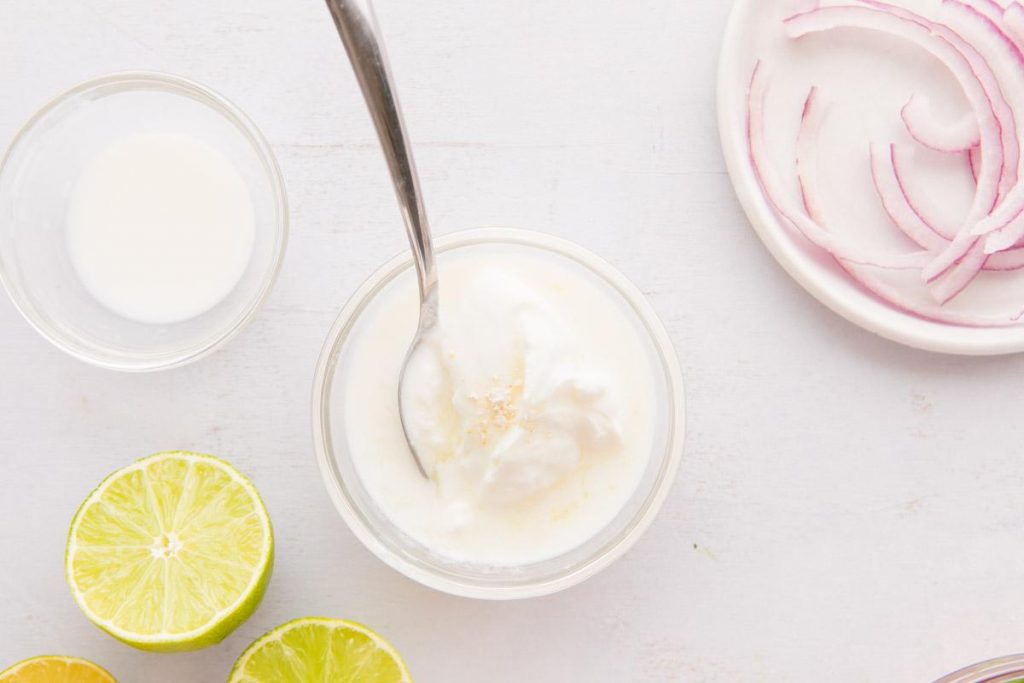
[[359, 32]]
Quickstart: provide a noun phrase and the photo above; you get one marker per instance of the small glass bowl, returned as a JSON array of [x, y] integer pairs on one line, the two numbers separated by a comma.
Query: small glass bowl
[[36, 180], [411, 558], [1003, 670]]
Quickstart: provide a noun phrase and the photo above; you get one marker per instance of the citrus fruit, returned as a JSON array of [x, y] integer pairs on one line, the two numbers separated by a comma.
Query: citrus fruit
[[317, 650], [52, 669], [170, 553]]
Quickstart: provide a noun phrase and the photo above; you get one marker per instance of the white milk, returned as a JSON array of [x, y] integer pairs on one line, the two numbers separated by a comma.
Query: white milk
[[160, 227], [532, 408]]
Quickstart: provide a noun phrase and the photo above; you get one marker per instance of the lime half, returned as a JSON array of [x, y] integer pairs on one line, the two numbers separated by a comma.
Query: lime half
[[55, 670], [171, 553], [315, 650]]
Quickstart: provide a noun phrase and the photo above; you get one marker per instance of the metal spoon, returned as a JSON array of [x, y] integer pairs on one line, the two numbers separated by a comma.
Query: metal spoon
[[359, 32]]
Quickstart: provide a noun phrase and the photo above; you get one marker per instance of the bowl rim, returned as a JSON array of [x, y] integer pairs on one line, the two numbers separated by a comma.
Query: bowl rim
[[991, 670], [857, 306], [429, 576], [182, 87]]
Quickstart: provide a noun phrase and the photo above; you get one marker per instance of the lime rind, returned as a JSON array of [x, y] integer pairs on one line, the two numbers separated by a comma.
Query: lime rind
[[227, 619], [238, 674]]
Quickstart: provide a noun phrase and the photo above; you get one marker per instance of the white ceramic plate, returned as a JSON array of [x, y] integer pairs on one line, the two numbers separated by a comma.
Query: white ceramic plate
[[866, 77]]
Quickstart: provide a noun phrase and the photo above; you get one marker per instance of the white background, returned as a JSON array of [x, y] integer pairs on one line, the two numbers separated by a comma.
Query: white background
[[847, 509]]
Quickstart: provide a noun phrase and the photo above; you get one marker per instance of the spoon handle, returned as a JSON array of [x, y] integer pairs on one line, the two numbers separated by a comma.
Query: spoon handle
[[359, 32]]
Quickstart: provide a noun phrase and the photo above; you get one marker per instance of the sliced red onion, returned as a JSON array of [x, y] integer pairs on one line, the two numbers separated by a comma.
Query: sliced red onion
[[959, 263], [990, 8], [981, 45], [964, 254], [1011, 231], [999, 62], [976, 23], [1008, 235], [793, 214], [1006, 63], [887, 170], [1013, 20], [895, 295], [811, 119], [955, 280], [871, 278], [1004, 228], [896, 202], [1011, 259], [981, 88], [925, 129], [902, 167], [967, 67]]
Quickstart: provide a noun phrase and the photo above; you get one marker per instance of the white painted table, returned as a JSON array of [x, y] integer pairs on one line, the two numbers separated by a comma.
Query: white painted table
[[848, 510]]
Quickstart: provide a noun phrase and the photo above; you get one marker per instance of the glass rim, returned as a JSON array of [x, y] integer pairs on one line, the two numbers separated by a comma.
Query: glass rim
[[991, 671], [430, 574], [184, 87]]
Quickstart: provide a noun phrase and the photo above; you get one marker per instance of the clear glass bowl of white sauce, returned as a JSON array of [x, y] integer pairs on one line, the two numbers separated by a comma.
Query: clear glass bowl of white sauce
[[373, 526], [38, 177]]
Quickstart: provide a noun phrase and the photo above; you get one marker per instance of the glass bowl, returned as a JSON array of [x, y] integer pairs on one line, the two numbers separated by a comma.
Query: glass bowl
[[1003, 670], [36, 180], [416, 561]]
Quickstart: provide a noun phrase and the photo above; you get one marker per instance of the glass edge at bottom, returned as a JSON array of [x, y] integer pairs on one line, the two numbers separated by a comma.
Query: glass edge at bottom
[[1009, 669]]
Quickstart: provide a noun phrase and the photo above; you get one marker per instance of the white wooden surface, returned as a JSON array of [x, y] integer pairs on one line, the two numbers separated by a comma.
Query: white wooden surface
[[848, 509]]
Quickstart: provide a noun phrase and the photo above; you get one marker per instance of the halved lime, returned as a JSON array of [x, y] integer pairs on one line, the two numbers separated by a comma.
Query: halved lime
[[317, 650], [53, 669], [171, 553]]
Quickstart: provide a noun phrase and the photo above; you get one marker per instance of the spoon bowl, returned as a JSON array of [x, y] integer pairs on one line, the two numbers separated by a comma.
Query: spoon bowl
[[427, 326]]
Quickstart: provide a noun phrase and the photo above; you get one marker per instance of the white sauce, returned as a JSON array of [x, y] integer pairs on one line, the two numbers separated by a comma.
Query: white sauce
[[532, 408], [160, 227]]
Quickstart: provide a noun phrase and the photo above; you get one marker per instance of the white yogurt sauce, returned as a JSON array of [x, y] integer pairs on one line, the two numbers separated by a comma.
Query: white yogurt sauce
[[532, 408], [160, 227]]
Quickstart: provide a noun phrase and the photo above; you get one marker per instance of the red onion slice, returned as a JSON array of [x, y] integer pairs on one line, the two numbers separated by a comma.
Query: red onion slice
[[871, 278], [1011, 259], [887, 171], [976, 43], [897, 204], [1003, 227], [811, 119], [775, 193], [950, 138], [947, 46], [990, 8], [956, 279], [1009, 234], [1013, 20], [972, 20], [1006, 64], [896, 296], [974, 161], [961, 261], [903, 166], [980, 86], [964, 256]]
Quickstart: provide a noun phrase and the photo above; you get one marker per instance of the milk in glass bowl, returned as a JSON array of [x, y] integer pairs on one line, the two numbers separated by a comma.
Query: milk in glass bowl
[[143, 220]]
